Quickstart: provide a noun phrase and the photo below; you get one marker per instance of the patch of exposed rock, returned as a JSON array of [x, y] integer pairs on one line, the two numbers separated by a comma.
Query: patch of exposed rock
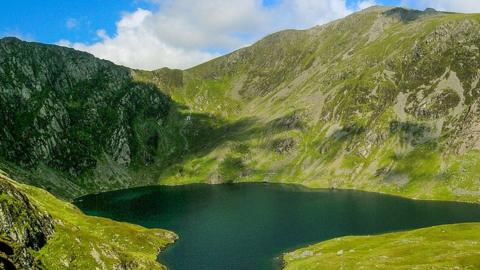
[[23, 228]]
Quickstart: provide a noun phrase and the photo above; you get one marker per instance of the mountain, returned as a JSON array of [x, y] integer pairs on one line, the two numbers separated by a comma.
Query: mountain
[[385, 100], [66, 114], [382, 100]]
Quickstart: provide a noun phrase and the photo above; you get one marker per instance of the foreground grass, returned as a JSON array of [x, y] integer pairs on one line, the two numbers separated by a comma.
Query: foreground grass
[[441, 247], [85, 242]]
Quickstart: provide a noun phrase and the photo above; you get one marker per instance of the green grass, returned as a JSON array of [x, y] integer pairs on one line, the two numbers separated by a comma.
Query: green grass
[[308, 72], [86, 242], [442, 247]]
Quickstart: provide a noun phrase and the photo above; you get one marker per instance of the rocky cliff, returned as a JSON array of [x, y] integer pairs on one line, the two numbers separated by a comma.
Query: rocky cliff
[[67, 115]]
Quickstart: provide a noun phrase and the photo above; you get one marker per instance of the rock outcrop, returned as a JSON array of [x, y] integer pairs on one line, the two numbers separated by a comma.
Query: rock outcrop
[[66, 110], [23, 228]]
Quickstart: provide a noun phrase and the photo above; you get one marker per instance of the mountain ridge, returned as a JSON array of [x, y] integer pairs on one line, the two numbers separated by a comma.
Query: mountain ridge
[[250, 83], [365, 94]]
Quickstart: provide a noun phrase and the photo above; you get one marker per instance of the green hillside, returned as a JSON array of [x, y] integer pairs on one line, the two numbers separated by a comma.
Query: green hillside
[[44, 232], [441, 247], [384, 100]]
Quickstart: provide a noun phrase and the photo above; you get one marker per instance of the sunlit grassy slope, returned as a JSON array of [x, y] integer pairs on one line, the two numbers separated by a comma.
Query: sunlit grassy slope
[[384, 100], [442, 247], [84, 242]]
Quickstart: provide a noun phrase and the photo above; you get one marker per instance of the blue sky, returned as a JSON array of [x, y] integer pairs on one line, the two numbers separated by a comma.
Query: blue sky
[[176, 33], [46, 21]]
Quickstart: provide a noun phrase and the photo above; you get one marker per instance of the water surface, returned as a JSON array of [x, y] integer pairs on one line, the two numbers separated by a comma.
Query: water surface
[[247, 226]]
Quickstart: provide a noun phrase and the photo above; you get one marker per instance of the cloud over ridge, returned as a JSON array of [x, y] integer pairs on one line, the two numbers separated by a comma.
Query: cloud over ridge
[[467, 6], [184, 33]]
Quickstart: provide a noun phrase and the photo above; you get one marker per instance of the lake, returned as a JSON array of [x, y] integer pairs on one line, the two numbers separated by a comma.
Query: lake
[[248, 226]]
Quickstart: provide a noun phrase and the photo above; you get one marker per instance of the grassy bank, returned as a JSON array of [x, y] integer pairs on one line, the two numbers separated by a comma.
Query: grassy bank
[[442, 247], [86, 242]]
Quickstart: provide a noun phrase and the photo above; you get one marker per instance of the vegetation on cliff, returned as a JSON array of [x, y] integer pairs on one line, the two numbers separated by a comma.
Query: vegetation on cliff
[[74, 121], [39, 231]]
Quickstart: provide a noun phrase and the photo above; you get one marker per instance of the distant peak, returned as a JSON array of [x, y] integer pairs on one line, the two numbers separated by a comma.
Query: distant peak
[[408, 15], [10, 39], [404, 13], [377, 8]]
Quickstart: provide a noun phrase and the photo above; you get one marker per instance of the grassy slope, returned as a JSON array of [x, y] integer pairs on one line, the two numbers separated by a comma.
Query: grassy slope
[[84, 242], [342, 126], [442, 247]]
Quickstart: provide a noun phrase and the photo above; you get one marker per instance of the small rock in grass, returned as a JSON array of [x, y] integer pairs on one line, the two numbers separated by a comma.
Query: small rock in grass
[[306, 253]]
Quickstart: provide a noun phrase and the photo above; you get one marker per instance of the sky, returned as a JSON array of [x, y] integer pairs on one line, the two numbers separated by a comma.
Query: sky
[[151, 34]]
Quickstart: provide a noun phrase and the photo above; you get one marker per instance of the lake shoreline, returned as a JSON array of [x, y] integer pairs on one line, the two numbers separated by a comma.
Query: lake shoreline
[[294, 203], [298, 185], [281, 263]]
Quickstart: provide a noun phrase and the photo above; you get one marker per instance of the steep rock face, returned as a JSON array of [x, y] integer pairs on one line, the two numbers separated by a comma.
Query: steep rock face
[[22, 228], [67, 110]]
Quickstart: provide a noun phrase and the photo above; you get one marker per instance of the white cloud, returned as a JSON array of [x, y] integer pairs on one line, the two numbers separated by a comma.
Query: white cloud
[[138, 46], [183, 33], [366, 4], [307, 13], [71, 23], [467, 6]]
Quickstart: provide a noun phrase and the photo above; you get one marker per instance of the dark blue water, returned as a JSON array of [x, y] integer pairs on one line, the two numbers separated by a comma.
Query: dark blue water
[[247, 226]]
